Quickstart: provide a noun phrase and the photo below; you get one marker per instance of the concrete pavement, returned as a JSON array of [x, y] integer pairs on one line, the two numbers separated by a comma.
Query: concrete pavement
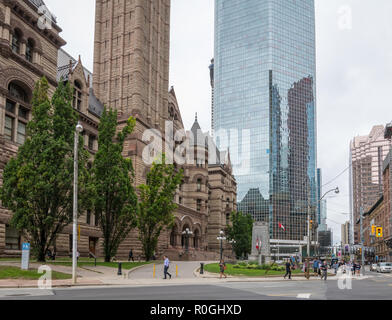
[[188, 273]]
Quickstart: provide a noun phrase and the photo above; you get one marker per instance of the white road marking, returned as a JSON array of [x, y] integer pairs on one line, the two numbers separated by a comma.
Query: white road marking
[[304, 296]]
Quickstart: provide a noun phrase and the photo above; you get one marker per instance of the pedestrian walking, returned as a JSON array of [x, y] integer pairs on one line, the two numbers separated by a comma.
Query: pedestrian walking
[[324, 269], [358, 269], [166, 265], [77, 255], [320, 263], [130, 256], [222, 267], [315, 266], [288, 270]]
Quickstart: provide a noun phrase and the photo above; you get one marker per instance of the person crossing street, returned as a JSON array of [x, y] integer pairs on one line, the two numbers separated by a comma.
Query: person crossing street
[[324, 270], [288, 270]]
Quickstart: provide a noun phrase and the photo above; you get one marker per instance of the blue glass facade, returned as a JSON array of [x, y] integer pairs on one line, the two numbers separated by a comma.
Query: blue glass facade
[[265, 87]]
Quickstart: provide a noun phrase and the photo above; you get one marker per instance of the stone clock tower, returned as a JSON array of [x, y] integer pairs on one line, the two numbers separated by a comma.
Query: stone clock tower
[[131, 57]]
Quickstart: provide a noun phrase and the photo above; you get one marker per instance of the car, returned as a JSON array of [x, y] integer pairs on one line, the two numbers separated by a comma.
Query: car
[[384, 267], [373, 267]]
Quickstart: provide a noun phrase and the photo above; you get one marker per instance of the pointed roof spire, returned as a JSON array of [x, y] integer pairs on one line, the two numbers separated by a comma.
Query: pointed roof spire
[[196, 117]]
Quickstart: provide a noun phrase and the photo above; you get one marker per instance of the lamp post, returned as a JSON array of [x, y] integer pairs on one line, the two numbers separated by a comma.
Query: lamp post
[[187, 233], [221, 237], [78, 129], [336, 190]]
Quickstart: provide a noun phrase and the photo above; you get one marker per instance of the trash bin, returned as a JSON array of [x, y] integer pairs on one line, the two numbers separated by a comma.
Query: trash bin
[[201, 268]]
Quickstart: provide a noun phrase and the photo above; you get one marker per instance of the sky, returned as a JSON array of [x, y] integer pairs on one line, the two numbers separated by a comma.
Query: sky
[[354, 72]]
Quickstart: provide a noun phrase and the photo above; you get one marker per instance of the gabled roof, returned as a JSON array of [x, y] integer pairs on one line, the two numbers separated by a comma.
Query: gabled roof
[[64, 62]]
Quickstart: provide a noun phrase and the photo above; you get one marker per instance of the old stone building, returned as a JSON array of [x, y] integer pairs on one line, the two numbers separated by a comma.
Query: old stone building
[[131, 72]]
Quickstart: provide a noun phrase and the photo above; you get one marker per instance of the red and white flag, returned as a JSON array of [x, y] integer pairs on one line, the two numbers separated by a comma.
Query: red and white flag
[[281, 226], [257, 244]]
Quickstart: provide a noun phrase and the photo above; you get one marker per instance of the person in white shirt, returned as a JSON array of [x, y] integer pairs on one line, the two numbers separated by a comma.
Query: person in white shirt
[[166, 265]]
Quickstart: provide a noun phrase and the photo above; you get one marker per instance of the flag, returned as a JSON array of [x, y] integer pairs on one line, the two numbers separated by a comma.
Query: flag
[[281, 226], [257, 244]]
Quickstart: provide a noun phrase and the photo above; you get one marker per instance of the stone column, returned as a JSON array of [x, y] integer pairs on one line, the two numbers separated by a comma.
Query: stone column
[[22, 49], [15, 133]]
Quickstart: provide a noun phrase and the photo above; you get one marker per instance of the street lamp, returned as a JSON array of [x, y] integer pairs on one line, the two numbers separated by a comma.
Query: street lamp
[[78, 130], [221, 237], [336, 190], [187, 233]]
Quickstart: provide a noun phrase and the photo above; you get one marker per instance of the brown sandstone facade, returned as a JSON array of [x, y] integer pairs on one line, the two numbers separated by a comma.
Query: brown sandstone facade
[[131, 72]]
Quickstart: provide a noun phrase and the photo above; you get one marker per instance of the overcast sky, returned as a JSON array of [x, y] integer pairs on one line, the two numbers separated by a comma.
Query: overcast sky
[[354, 72]]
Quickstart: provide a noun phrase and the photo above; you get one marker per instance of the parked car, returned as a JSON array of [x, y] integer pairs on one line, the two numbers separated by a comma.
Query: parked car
[[384, 267], [373, 267]]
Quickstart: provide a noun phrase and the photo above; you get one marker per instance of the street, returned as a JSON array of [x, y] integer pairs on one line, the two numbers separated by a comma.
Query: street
[[373, 287]]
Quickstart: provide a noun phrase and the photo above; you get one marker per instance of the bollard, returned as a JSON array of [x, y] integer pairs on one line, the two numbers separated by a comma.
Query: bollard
[[201, 268], [176, 270], [153, 273], [119, 273]]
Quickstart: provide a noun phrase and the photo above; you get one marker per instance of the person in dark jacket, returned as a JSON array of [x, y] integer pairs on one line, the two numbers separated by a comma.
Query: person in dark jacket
[[324, 270], [130, 256], [288, 270]]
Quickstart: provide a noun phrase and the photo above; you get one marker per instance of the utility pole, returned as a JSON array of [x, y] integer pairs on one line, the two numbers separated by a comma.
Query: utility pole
[[362, 241]]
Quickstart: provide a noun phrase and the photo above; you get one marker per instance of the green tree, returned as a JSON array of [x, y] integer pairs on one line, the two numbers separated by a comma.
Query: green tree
[[38, 182], [156, 205], [241, 232], [112, 195]]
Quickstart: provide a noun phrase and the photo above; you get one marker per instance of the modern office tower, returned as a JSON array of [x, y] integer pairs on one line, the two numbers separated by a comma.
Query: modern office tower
[[211, 67], [265, 89], [131, 57], [367, 154]]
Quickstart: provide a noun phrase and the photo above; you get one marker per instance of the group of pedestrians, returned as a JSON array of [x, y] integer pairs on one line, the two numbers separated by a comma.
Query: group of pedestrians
[[352, 266]]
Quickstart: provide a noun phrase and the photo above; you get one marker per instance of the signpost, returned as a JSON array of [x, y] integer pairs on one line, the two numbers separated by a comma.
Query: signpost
[[25, 256]]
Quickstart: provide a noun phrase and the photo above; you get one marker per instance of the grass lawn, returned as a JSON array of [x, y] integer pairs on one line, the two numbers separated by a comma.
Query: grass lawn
[[32, 274], [214, 268]]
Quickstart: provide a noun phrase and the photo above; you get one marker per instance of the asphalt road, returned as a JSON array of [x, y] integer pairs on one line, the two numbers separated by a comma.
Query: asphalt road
[[376, 287]]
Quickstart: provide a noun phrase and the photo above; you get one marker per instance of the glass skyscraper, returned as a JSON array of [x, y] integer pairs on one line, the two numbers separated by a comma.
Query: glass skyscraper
[[265, 89]]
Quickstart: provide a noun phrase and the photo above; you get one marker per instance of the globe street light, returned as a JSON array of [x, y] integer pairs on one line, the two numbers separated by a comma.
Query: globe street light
[[221, 237], [78, 130], [187, 233]]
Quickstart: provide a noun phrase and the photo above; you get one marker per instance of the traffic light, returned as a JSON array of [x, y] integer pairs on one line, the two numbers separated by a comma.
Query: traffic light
[[374, 229], [379, 232], [310, 224]]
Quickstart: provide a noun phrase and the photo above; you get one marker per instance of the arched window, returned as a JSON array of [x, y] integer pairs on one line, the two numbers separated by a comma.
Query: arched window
[[173, 237], [29, 50], [16, 37], [16, 113], [17, 92], [199, 182], [77, 98], [196, 239]]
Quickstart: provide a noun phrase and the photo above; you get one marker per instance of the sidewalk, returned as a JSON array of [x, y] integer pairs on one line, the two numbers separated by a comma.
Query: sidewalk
[[188, 273]]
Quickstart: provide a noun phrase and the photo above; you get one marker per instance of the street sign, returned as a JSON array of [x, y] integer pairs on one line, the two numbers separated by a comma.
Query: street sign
[[25, 256]]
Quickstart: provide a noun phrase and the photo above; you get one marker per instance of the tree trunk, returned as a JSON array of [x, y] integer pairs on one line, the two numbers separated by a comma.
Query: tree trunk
[[41, 253]]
